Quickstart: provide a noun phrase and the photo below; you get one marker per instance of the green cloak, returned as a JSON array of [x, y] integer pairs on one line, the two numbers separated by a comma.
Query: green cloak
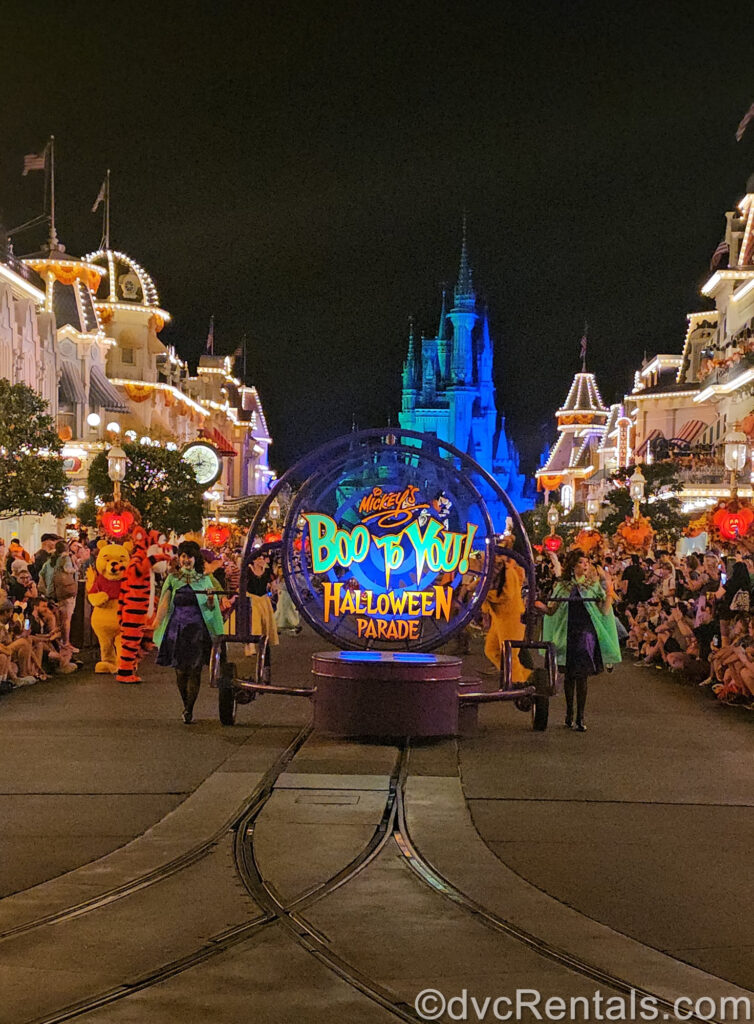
[[213, 617], [555, 626]]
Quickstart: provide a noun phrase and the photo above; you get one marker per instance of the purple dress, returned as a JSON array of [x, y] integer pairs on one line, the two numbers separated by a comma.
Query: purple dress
[[186, 644], [583, 654]]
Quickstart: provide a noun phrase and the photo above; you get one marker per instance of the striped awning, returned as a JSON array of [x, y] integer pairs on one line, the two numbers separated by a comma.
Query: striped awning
[[690, 431], [103, 394], [72, 390], [651, 436], [220, 441]]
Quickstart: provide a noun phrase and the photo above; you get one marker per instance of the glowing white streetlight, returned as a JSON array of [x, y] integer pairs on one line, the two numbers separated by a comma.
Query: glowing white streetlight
[[116, 469], [93, 419], [636, 485]]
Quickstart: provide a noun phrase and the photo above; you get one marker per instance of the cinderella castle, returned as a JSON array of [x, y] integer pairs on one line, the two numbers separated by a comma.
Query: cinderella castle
[[448, 390]]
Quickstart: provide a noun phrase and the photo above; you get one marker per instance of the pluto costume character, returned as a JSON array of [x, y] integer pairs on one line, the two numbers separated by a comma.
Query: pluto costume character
[[103, 590]]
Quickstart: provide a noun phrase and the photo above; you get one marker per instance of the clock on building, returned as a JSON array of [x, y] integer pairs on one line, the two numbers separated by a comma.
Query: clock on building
[[205, 461]]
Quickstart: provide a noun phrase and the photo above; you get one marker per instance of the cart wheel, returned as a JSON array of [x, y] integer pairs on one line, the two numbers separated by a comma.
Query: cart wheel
[[540, 712], [226, 695]]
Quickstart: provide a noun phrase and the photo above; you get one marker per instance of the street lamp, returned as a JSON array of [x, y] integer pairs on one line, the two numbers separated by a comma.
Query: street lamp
[[553, 518], [736, 455], [116, 469], [592, 506], [274, 510], [636, 486]]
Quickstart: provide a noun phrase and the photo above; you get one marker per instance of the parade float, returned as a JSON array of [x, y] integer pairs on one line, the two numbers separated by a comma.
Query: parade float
[[388, 549]]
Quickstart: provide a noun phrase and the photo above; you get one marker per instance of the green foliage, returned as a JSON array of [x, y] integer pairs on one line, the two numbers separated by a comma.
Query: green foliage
[[31, 483], [537, 527], [664, 513], [158, 483]]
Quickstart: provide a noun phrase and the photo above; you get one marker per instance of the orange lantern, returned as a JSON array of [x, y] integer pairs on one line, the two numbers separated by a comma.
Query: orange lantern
[[217, 535], [117, 523], [733, 521]]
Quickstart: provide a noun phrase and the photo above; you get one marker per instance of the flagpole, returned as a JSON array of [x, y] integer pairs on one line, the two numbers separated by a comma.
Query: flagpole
[[107, 210], [53, 234]]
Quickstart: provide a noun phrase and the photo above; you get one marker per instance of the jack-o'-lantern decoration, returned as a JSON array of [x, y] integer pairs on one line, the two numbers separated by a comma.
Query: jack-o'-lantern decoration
[[733, 521], [117, 524], [217, 535], [553, 542], [636, 534], [588, 540]]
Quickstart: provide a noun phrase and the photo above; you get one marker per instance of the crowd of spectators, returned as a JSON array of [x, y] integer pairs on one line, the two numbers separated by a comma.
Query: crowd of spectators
[[37, 598], [692, 615]]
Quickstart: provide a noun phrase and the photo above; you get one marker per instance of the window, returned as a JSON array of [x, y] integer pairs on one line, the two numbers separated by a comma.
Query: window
[[127, 356]]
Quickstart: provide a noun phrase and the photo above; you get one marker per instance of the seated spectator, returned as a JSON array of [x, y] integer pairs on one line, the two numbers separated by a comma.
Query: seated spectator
[[17, 651], [46, 638], [21, 586], [16, 550]]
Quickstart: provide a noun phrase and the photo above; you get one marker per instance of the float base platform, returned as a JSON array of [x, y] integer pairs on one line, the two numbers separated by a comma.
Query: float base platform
[[385, 694]]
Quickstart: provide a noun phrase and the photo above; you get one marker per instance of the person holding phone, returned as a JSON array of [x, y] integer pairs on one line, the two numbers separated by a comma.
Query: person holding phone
[[188, 619]]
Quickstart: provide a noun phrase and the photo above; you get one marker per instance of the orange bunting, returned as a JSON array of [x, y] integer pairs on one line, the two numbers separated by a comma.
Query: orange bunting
[[138, 392], [551, 483]]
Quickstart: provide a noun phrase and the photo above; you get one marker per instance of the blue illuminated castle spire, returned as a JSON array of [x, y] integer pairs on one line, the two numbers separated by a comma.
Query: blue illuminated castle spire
[[449, 390]]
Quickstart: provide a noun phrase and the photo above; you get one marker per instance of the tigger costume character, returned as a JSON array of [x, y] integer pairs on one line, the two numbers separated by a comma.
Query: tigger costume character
[[133, 605], [136, 602]]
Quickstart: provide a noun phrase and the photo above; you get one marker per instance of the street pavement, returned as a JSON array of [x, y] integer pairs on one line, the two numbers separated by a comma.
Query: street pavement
[[638, 828]]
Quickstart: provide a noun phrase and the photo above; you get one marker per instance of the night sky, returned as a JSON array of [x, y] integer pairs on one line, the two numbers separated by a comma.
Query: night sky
[[300, 172]]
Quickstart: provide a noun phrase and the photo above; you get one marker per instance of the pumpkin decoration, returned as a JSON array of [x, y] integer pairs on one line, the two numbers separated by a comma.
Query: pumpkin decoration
[[117, 524], [588, 540], [218, 534], [553, 542], [636, 534], [733, 521], [118, 520]]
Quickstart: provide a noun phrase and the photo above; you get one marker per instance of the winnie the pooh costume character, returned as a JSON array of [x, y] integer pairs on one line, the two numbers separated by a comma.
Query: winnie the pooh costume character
[[103, 590]]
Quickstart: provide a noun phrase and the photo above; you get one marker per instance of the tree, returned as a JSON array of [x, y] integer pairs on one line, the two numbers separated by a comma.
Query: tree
[[664, 512], [32, 478], [537, 527], [158, 483]]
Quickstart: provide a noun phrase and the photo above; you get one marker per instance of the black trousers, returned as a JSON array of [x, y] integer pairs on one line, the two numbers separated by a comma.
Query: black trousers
[[188, 687], [575, 685]]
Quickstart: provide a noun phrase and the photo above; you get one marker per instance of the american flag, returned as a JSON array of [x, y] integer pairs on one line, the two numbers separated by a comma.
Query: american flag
[[719, 255], [35, 161], [748, 116], [210, 350], [582, 353]]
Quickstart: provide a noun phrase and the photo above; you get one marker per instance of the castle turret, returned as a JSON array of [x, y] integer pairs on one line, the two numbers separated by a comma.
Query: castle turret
[[410, 375]]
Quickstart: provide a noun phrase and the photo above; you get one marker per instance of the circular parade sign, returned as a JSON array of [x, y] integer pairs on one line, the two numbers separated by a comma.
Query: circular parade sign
[[388, 542]]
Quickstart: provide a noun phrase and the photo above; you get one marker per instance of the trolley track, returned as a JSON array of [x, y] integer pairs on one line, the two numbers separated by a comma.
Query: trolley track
[[290, 914], [273, 909], [198, 852]]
